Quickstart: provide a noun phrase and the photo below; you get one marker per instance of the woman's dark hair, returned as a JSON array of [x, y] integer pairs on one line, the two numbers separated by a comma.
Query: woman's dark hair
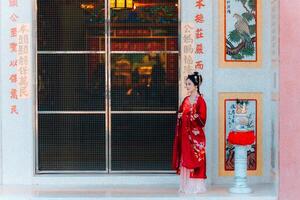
[[196, 78]]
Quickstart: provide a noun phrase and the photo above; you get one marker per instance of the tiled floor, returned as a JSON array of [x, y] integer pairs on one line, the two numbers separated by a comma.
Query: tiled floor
[[141, 192]]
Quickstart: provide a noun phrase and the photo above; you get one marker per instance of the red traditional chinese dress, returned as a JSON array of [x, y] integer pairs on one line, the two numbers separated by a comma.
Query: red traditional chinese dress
[[189, 159]]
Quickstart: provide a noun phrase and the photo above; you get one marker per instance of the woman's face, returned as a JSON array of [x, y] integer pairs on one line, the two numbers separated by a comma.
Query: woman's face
[[190, 87]]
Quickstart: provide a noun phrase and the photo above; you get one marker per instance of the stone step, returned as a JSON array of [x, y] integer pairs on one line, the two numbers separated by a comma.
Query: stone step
[[121, 192]]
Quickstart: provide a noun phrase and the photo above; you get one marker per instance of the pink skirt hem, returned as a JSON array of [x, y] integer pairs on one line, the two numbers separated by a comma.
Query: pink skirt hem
[[190, 185]]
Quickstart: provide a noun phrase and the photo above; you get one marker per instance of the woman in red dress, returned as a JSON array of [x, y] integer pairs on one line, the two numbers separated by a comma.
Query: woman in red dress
[[189, 156]]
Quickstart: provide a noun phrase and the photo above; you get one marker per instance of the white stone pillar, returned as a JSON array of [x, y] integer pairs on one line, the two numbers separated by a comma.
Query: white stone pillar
[[240, 170]]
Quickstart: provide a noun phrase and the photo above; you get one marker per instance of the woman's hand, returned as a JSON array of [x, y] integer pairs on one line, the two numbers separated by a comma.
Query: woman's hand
[[194, 116], [179, 115]]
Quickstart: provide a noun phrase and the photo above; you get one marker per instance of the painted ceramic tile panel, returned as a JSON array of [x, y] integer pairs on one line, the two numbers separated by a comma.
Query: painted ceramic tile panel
[[240, 33], [230, 111], [227, 110], [240, 30]]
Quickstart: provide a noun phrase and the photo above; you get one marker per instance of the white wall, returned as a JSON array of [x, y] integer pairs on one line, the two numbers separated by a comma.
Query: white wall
[[17, 132]]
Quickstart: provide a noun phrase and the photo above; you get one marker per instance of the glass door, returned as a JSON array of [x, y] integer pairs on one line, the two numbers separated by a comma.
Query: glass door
[[107, 92]]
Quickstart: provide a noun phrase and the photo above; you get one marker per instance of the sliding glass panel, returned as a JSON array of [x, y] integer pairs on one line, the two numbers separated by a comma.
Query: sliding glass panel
[[142, 142], [144, 84], [71, 75], [71, 142]]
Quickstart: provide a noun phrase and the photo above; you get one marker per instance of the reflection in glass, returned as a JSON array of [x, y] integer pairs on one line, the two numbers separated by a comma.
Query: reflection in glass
[[144, 81], [149, 26], [147, 11]]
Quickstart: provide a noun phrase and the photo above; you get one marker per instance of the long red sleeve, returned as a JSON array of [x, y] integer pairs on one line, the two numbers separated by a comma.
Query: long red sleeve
[[201, 111]]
